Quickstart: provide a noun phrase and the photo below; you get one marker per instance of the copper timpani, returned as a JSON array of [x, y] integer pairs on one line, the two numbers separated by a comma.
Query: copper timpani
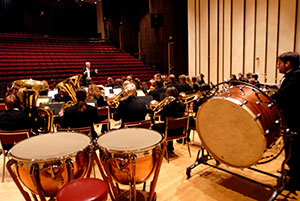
[[118, 150], [238, 125], [46, 162]]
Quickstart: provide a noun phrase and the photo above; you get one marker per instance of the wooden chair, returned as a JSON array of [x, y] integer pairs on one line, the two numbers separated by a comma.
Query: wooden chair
[[8, 139], [177, 128], [84, 130], [2, 106], [138, 124], [103, 111]]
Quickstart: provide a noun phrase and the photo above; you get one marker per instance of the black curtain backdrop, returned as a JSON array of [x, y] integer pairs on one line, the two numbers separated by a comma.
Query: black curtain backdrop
[[53, 17]]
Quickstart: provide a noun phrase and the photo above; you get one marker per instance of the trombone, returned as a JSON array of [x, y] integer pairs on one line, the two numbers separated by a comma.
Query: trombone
[[188, 98], [114, 101], [156, 106]]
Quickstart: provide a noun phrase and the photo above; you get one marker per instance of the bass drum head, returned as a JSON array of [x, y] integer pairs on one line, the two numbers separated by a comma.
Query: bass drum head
[[230, 132]]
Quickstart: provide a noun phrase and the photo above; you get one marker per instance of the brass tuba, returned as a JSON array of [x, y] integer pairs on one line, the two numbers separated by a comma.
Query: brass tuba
[[70, 84], [28, 91]]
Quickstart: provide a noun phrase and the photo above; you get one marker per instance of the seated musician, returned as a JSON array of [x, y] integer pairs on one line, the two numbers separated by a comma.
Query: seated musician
[[94, 93], [173, 109], [131, 109], [184, 85], [159, 89], [62, 95], [81, 114], [13, 118]]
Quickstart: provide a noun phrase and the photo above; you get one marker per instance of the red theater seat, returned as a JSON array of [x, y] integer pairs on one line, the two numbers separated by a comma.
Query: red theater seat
[[89, 189]]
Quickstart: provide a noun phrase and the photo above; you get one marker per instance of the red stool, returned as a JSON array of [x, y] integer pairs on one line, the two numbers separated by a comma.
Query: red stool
[[89, 189]]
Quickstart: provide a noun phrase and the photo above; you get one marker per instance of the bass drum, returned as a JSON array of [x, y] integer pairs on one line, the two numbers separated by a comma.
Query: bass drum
[[238, 125], [46, 162]]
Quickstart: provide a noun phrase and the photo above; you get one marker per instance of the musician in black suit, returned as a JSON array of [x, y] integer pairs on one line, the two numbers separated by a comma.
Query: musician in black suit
[[131, 109], [288, 99], [174, 109], [172, 82], [13, 118], [87, 73], [159, 89], [184, 86], [81, 114]]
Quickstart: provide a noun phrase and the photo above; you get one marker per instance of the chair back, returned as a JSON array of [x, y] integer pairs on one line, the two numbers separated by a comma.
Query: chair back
[[9, 138], [138, 124], [103, 111], [178, 126], [2, 106]]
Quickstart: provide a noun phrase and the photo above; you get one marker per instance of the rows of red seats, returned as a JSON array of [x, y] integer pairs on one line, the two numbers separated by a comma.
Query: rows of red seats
[[50, 58]]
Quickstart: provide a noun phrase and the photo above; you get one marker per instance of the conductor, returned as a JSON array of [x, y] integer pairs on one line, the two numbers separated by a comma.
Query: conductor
[[87, 73]]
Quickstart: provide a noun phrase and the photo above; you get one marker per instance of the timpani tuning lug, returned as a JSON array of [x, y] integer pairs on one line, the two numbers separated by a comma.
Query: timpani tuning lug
[[258, 116], [267, 132]]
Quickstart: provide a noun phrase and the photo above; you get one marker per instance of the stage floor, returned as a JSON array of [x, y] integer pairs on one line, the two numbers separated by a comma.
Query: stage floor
[[206, 183]]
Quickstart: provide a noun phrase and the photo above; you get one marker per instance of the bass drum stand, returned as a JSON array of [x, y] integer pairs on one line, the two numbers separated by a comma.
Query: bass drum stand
[[203, 157]]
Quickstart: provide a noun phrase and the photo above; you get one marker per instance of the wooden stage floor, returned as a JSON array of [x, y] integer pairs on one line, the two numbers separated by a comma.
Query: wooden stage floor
[[206, 183]]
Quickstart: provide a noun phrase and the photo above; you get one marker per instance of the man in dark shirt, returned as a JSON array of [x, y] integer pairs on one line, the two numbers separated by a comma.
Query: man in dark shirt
[[13, 118], [184, 86], [288, 101], [158, 91]]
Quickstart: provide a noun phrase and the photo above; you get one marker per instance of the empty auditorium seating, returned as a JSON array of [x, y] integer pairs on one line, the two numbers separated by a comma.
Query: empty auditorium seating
[[50, 58]]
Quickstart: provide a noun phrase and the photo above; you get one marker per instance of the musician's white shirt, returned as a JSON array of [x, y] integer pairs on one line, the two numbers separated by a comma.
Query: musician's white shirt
[[88, 72]]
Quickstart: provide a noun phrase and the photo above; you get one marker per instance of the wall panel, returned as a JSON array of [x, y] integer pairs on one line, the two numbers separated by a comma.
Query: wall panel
[[260, 40], [243, 36], [192, 48], [249, 35], [213, 41], [272, 46], [221, 41], [204, 38], [237, 36], [297, 47], [286, 28], [227, 39]]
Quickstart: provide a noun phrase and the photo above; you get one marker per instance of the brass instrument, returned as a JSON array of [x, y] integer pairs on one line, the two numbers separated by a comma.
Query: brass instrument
[[188, 98], [70, 84], [156, 106], [114, 101], [28, 91]]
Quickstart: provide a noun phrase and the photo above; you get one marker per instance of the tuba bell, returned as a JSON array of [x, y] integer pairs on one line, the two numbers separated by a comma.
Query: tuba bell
[[27, 91], [70, 85]]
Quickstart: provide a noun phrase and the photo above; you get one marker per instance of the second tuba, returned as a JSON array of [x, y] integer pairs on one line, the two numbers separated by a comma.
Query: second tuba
[[70, 85]]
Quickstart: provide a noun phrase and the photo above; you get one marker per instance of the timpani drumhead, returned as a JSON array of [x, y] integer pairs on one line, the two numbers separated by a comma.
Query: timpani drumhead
[[230, 132], [129, 139], [50, 146]]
